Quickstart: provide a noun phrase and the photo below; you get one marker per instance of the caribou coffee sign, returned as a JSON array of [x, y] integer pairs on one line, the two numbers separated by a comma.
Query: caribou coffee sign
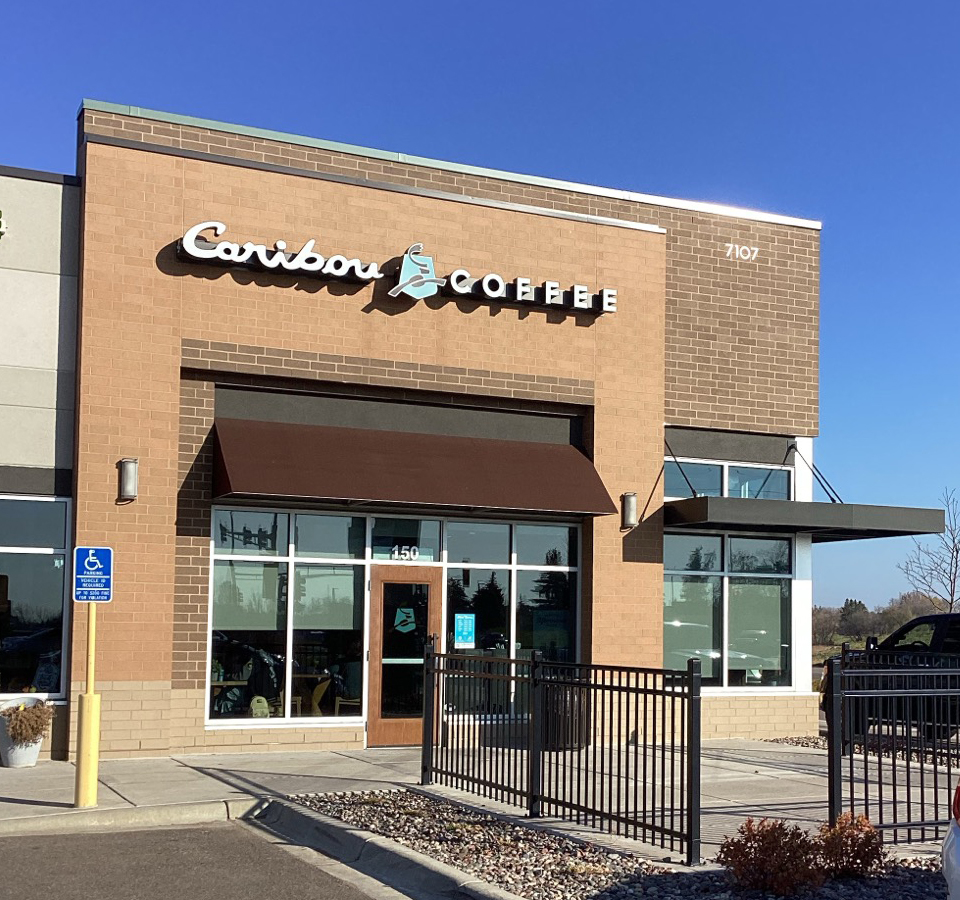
[[417, 277]]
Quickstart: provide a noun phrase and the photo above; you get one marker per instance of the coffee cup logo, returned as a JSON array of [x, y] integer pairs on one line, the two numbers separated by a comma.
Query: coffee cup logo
[[417, 276]]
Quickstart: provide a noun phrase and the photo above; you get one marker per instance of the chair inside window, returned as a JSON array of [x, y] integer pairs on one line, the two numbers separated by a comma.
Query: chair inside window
[[317, 695], [352, 673]]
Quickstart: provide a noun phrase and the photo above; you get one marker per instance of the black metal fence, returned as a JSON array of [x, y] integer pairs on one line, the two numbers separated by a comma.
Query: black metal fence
[[612, 747], [893, 727]]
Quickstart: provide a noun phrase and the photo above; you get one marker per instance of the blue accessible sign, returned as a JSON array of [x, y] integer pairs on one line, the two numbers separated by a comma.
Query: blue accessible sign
[[464, 631], [93, 574]]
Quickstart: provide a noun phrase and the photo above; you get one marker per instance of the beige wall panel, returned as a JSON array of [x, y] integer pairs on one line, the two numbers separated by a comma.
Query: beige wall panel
[[30, 438], [38, 312], [42, 226]]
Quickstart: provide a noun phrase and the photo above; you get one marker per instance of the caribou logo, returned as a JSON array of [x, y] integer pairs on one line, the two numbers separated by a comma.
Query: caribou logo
[[417, 276]]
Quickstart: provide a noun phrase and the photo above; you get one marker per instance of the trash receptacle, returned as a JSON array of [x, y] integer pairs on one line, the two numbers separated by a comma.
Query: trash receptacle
[[566, 712]]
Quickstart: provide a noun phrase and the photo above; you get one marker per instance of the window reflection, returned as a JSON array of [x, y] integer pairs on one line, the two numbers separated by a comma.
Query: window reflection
[[546, 545], [761, 555], [760, 644], [693, 623], [757, 483], [406, 540], [546, 614], [694, 553], [250, 533], [33, 523], [249, 639], [485, 595], [705, 478], [332, 537], [31, 622], [478, 542], [327, 641]]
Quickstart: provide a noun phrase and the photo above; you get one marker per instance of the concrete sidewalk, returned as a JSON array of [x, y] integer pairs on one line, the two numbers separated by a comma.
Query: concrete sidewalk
[[740, 778], [165, 783]]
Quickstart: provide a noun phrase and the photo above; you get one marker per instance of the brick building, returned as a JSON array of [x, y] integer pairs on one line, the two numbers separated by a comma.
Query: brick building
[[428, 410]]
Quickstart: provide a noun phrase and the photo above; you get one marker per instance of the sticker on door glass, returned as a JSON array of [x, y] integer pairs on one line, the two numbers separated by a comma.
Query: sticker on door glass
[[464, 631], [405, 620]]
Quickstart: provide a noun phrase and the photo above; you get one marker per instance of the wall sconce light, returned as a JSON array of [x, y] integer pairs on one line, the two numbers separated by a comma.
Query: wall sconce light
[[628, 511], [129, 469]]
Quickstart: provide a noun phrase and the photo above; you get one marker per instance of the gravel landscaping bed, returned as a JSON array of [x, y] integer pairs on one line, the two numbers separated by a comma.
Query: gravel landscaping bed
[[883, 746], [540, 865]]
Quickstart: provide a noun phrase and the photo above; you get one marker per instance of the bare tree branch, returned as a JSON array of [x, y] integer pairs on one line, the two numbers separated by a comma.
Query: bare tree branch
[[934, 570]]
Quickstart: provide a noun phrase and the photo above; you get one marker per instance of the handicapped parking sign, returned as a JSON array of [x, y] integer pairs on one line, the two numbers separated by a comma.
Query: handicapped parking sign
[[93, 574]]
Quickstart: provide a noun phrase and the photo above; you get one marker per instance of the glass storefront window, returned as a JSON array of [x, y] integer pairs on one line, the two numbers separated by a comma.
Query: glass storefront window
[[692, 552], [31, 622], [330, 537], [485, 595], [758, 623], [478, 542], [289, 633], [693, 624], [758, 484], [406, 540], [546, 545], [706, 478], [739, 627], [546, 611], [33, 523], [246, 533], [327, 641], [248, 668], [760, 555]]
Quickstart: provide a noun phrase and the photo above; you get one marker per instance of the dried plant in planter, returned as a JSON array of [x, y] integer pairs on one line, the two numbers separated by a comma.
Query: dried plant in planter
[[27, 723]]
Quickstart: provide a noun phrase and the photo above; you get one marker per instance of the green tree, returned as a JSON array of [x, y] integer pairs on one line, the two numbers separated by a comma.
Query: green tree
[[855, 619]]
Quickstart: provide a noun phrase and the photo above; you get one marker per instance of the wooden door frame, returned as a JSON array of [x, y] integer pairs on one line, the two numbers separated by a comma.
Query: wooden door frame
[[396, 732]]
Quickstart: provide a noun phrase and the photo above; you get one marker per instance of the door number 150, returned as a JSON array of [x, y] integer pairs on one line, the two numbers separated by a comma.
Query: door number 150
[[739, 251]]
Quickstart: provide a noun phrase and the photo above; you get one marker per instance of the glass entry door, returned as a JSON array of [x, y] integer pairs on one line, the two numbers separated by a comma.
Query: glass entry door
[[405, 610]]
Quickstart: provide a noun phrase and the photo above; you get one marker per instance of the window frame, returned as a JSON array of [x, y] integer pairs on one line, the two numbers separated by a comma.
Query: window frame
[[725, 465], [368, 561], [60, 696], [725, 574]]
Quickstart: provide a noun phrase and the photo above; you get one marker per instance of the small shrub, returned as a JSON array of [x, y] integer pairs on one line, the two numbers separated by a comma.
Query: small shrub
[[27, 723], [852, 848], [771, 855]]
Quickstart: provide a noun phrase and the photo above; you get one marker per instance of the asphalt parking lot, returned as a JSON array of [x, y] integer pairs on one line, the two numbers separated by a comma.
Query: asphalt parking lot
[[228, 861]]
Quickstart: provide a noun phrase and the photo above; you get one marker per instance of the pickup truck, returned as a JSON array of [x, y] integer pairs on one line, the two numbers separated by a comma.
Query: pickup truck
[[927, 642]]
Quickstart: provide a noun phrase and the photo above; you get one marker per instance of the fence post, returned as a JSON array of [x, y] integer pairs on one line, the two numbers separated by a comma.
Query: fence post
[[694, 681], [429, 705], [535, 742], [834, 712]]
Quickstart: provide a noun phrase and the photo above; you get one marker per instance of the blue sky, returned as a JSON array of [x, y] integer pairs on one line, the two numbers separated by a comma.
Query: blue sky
[[845, 112]]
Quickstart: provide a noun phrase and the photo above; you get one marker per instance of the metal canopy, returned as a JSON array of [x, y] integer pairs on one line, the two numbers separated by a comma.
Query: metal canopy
[[824, 521]]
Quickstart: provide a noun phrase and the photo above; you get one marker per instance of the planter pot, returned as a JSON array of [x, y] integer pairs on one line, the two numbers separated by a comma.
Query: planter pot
[[17, 756]]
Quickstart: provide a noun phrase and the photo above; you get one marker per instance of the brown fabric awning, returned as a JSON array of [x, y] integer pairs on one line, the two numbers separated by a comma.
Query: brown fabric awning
[[312, 462]]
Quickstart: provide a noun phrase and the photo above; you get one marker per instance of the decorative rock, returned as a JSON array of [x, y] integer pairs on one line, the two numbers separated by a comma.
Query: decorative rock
[[540, 865]]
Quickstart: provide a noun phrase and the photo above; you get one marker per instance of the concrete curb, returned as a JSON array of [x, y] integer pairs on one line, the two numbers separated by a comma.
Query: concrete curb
[[133, 817], [390, 863]]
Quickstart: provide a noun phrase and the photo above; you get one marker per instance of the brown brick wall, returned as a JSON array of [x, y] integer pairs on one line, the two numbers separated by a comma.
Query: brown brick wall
[[217, 356], [143, 310], [742, 349]]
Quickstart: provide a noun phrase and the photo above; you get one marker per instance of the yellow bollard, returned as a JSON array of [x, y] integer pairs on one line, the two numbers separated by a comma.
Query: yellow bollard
[[88, 724]]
